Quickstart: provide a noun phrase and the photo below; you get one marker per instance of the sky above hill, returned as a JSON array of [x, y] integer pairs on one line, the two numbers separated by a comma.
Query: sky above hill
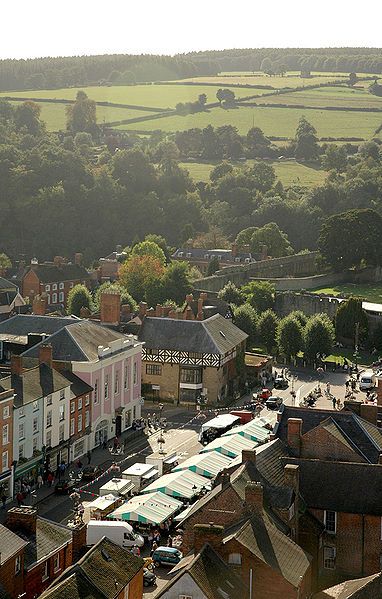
[[77, 27]]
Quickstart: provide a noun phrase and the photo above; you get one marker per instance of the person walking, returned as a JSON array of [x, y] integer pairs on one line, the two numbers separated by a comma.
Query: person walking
[[39, 481], [154, 546], [334, 403], [89, 456], [3, 500], [19, 498]]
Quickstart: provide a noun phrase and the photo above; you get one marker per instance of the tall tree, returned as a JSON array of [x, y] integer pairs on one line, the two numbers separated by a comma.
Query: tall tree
[[318, 337], [79, 297], [349, 315], [306, 142], [260, 295], [82, 115], [266, 329], [213, 266], [245, 317], [290, 336], [176, 282], [231, 294], [149, 248], [140, 272], [275, 240]]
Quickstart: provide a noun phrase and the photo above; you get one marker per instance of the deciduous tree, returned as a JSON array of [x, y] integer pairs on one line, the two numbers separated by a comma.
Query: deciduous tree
[[79, 297]]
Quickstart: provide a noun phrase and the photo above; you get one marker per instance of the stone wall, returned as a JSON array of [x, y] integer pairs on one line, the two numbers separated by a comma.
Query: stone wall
[[309, 303]]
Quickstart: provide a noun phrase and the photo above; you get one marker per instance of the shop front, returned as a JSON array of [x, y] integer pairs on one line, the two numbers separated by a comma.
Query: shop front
[[6, 484], [27, 472], [101, 433]]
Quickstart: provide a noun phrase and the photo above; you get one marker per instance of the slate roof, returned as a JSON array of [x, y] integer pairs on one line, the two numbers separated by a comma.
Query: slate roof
[[50, 273], [102, 572], [49, 538], [7, 285], [22, 324], [264, 540], [211, 574], [34, 383], [279, 497], [77, 342], [211, 306], [10, 544], [349, 487], [77, 385], [361, 435], [369, 587], [215, 335]]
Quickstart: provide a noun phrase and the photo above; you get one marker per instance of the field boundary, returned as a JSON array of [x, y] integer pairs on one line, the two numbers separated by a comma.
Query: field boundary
[[100, 103]]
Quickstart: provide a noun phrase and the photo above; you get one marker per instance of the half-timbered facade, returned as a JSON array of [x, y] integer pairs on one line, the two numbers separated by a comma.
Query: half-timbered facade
[[188, 360]]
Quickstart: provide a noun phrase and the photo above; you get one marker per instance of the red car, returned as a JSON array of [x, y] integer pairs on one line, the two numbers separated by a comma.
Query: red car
[[262, 396]]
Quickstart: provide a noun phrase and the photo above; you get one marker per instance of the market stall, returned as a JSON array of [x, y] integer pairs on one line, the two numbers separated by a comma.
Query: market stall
[[185, 485], [208, 464], [153, 508], [231, 446], [252, 431]]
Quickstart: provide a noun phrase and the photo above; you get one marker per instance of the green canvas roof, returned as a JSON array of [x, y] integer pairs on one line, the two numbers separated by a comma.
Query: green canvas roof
[[251, 430], [231, 446], [153, 508], [185, 484], [208, 464]]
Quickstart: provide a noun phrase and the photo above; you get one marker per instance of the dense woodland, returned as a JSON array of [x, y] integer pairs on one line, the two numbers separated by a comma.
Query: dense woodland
[[41, 73], [81, 191]]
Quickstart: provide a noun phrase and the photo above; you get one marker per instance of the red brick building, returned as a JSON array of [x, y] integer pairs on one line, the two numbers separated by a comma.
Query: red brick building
[[54, 280], [12, 577], [6, 443]]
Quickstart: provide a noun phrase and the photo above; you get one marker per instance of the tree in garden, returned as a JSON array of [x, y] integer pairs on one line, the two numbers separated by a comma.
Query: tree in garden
[[245, 318], [263, 176], [275, 240], [349, 313], [260, 295], [126, 298], [267, 328], [176, 282], [231, 294], [306, 142], [82, 115], [138, 272], [149, 248], [348, 238], [5, 263], [161, 242], [290, 336], [213, 266], [318, 337], [79, 297]]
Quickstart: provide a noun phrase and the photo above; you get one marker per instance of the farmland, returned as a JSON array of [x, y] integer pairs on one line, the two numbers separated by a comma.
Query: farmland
[[328, 96], [371, 292], [277, 82], [280, 122], [289, 172]]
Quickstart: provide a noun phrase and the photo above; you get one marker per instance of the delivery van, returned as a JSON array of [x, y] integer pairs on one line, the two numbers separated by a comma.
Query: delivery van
[[367, 380], [120, 533]]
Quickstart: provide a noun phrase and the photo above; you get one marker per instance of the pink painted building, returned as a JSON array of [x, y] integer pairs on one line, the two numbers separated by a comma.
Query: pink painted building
[[110, 362]]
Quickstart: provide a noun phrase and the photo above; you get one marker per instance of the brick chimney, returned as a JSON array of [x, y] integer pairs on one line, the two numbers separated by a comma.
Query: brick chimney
[[78, 257], [234, 249], [248, 455], [45, 354], [85, 312], [58, 260], [16, 365], [39, 305], [294, 434], [254, 497], [224, 478], [173, 314], [78, 541], [189, 298], [188, 314], [125, 310], [142, 309], [292, 477], [22, 519], [159, 310], [110, 310], [208, 533], [166, 311]]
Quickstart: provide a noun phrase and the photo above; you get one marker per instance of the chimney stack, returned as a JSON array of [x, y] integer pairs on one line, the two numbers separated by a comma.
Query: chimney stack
[[295, 434], [189, 298], [110, 312], [380, 458], [45, 355], [142, 310], [208, 533], [159, 310], [200, 309], [39, 305], [58, 260], [291, 477], [254, 498], [78, 257], [248, 455], [234, 249], [16, 365], [188, 314], [85, 312], [22, 519]]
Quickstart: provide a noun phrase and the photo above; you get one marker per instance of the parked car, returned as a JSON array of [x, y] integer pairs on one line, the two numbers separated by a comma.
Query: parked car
[[149, 578], [164, 556], [64, 487], [262, 395], [90, 472], [273, 402], [281, 382]]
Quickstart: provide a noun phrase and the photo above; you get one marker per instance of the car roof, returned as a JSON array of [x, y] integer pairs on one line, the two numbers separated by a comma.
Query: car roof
[[170, 549]]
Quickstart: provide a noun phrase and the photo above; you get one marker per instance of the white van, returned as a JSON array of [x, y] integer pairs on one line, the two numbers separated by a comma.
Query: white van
[[120, 533], [367, 380]]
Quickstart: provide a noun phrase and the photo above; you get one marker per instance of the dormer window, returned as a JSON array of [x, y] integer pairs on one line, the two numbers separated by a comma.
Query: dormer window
[[237, 259], [188, 255], [180, 254], [206, 256]]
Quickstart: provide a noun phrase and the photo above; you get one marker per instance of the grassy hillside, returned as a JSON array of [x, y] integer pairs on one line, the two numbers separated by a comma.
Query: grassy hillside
[[371, 292], [289, 172]]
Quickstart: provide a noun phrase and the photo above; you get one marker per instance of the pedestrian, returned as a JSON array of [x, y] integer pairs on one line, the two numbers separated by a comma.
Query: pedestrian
[[334, 402], [79, 464], [89, 456], [154, 546], [328, 388], [338, 404], [136, 551], [169, 541], [3, 500], [19, 498], [50, 478], [39, 481]]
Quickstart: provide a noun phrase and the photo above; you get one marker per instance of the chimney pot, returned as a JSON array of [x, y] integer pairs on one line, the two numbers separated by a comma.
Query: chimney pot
[[254, 497], [295, 434], [142, 309], [16, 365], [248, 455], [45, 354], [39, 305], [189, 298]]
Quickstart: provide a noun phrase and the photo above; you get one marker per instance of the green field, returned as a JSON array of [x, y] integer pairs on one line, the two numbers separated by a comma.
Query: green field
[[328, 96], [159, 96], [289, 172], [371, 292], [55, 116], [280, 122], [277, 82]]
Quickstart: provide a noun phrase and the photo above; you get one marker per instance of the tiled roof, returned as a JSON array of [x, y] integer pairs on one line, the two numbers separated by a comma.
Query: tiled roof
[[349, 487], [215, 579], [363, 436], [34, 383], [22, 324], [10, 544], [49, 537], [7, 285], [50, 273], [369, 587], [268, 461], [262, 538], [77, 342], [279, 497], [215, 335], [104, 571]]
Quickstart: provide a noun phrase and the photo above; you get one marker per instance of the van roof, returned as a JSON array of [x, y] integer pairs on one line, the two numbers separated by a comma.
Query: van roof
[[109, 523], [169, 549]]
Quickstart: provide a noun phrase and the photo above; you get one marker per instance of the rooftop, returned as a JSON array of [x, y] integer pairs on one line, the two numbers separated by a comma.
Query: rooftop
[[215, 335], [369, 587], [22, 324], [52, 273], [34, 383], [10, 544]]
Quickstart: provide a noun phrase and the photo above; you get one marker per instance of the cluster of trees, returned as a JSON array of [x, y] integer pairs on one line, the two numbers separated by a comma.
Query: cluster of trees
[[192, 107], [289, 336]]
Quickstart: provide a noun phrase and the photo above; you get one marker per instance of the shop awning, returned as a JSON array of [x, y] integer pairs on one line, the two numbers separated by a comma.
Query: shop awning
[[231, 446], [251, 430], [208, 464], [26, 466], [153, 508], [184, 484]]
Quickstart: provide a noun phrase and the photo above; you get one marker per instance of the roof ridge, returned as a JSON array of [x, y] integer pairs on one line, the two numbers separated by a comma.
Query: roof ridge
[[346, 436], [75, 340], [360, 421]]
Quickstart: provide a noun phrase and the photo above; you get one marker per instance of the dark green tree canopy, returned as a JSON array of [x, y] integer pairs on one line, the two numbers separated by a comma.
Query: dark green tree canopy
[[290, 336], [267, 328], [232, 294], [350, 314], [318, 337], [79, 297], [245, 317], [260, 295]]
